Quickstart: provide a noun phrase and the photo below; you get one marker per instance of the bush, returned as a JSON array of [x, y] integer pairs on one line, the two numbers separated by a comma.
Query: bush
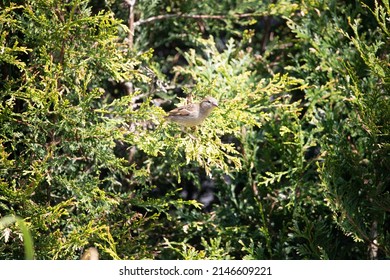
[[292, 165]]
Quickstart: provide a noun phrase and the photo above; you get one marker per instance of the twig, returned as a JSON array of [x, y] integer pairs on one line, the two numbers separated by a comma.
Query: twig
[[167, 16], [130, 21]]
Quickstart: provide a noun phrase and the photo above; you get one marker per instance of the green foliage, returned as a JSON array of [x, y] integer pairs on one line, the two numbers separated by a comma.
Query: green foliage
[[293, 164], [213, 250], [351, 99], [358, 192], [6, 221], [59, 129]]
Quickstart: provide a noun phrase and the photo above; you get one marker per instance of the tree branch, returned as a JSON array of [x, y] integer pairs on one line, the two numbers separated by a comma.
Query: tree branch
[[130, 22], [219, 17]]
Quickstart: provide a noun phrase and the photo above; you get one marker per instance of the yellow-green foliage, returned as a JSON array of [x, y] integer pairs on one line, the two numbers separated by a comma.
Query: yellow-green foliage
[[293, 164]]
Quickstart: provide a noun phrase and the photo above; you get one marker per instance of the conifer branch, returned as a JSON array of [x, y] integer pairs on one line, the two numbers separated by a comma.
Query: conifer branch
[[180, 15], [131, 4]]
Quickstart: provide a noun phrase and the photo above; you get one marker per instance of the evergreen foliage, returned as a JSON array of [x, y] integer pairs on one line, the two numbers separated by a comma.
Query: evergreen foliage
[[293, 164]]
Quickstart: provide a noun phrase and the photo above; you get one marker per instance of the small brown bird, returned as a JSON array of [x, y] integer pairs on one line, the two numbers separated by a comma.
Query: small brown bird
[[193, 114]]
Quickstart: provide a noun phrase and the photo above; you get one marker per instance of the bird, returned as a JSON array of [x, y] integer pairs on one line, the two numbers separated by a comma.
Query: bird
[[193, 114]]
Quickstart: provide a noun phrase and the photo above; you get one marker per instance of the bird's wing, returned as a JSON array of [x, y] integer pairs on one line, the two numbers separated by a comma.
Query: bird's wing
[[182, 111]]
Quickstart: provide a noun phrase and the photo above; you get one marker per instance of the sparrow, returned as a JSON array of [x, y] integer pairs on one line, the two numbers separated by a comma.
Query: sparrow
[[193, 114]]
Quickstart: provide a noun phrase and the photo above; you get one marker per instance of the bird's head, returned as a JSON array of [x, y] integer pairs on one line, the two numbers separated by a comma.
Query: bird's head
[[209, 103]]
